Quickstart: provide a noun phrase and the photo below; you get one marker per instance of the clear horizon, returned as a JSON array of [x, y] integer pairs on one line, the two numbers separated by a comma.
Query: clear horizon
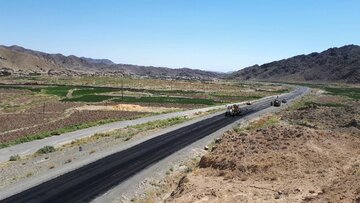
[[207, 35]]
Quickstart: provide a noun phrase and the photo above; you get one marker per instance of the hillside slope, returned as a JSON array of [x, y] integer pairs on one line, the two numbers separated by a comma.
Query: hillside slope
[[333, 65], [18, 60]]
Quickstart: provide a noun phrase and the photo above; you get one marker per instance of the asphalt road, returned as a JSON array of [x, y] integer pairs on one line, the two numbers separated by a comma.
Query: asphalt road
[[88, 182]]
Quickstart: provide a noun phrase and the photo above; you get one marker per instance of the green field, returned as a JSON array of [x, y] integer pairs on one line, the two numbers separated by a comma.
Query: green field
[[134, 90], [324, 104], [127, 99], [353, 93], [60, 91], [97, 94], [179, 100], [89, 91], [89, 98]]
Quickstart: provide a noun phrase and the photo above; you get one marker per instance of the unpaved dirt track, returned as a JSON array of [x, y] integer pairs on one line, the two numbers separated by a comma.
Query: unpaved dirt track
[[88, 182]]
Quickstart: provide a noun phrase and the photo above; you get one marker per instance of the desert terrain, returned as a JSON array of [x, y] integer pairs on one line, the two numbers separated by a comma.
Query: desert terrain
[[306, 153], [180, 101]]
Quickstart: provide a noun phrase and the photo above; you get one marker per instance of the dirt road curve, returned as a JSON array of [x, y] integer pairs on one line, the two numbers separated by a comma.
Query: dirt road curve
[[88, 182]]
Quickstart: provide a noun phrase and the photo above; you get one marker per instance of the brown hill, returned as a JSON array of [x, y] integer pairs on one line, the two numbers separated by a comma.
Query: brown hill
[[333, 65], [18, 60]]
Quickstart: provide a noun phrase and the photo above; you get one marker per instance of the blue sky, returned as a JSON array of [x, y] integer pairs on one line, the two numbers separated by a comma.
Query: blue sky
[[205, 34]]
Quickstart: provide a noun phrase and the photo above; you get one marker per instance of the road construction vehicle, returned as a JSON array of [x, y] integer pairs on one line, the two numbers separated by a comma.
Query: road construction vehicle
[[276, 102], [233, 110]]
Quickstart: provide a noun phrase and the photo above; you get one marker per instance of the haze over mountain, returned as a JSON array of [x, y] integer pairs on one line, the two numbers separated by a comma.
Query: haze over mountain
[[333, 65], [20, 61]]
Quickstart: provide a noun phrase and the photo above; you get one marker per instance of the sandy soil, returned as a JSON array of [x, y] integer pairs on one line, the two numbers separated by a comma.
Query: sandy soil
[[283, 161], [123, 107]]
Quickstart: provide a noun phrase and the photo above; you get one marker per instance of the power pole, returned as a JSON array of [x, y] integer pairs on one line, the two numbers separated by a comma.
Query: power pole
[[43, 111], [122, 88]]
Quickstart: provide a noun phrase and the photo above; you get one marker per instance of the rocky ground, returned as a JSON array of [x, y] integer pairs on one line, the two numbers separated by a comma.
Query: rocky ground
[[308, 153], [327, 112]]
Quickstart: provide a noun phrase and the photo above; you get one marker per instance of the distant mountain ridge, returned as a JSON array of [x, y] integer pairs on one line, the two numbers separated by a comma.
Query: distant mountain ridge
[[333, 65], [340, 65], [18, 60]]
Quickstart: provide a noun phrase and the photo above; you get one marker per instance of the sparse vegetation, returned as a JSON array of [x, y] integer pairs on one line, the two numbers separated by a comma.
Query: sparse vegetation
[[46, 150], [263, 123], [14, 157], [306, 104], [29, 174]]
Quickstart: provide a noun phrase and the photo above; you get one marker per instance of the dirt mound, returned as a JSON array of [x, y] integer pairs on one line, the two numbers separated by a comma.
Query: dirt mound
[[325, 117], [280, 163], [236, 148]]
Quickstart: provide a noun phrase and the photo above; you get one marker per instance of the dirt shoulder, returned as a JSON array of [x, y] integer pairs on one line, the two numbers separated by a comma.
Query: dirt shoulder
[[308, 153]]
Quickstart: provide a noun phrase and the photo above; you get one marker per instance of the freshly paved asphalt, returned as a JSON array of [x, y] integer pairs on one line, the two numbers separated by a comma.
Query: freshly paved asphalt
[[86, 183]]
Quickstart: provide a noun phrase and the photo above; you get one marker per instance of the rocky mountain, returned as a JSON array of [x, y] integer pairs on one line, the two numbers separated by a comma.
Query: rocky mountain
[[333, 65], [20, 61]]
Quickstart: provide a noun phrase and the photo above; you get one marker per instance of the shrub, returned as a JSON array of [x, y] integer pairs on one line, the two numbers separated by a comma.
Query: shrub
[[46, 150], [14, 157], [55, 133]]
